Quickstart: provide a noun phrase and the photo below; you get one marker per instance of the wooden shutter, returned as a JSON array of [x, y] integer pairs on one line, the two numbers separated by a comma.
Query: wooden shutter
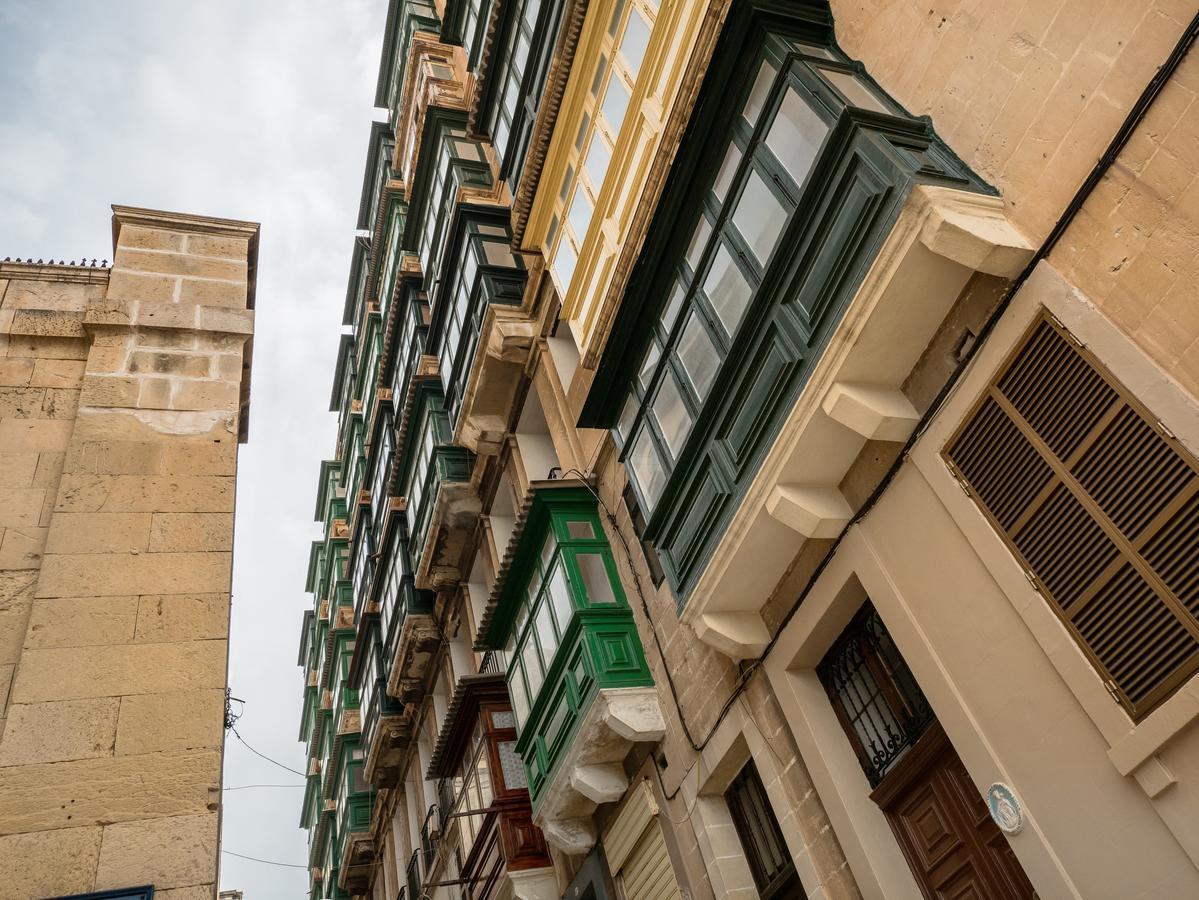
[[1101, 505], [636, 849]]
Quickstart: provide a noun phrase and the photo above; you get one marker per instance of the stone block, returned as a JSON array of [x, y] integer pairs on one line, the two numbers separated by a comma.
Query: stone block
[[155, 393], [95, 532], [187, 264], [49, 864], [201, 457], [59, 731], [105, 790], [112, 312], [165, 315], [6, 674], [110, 391], [60, 403], [163, 362], [100, 575], [16, 597], [16, 372], [17, 469], [21, 506], [21, 403], [47, 322], [182, 617], [180, 532], [174, 720], [168, 852], [191, 892], [35, 435], [216, 245], [229, 366], [47, 347], [82, 492], [108, 353], [81, 622], [21, 548], [166, 340], [206, 395], [115, 457], [57, 295], [48, 472], [139, 238], [227, 321], [112, 671], [228, 294]]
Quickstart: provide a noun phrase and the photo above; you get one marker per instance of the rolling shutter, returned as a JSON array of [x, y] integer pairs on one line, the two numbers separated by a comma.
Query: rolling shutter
[[1100, 504], [636, 849]]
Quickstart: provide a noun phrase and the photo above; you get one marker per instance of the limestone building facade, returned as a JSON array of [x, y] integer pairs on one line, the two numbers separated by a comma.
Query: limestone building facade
[[767, 457], [124, 394]]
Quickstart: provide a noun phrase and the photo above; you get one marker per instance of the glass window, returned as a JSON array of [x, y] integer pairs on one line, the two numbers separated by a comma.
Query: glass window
[[648, 470], [796, 135], [698, 355], [636, 40], [759, 217], [854, 91], [727, 290], [759, 92], [616, 102], [559, 594], [671, 415], [728, 169], [594, 573], [580, 530]]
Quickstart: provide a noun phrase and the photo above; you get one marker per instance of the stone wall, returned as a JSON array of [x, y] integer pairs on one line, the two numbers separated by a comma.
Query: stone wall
[[122, 397]]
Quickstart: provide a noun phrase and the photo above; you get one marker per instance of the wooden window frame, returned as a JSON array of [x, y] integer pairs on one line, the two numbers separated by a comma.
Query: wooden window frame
[[781, 884], [1127, 549]]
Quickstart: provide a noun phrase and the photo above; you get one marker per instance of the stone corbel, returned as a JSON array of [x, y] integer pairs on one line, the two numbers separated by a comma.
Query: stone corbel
[[592, 771], [533, 884]]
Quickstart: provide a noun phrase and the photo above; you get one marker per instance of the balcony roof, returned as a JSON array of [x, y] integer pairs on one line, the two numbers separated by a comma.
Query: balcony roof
[[453, 737]]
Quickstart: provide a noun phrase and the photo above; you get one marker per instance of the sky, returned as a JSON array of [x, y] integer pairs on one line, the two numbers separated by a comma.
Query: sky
[[245, 109]]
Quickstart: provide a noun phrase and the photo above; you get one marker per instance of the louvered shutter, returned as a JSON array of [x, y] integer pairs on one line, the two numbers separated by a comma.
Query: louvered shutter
[[1099, 503], [636, 849]]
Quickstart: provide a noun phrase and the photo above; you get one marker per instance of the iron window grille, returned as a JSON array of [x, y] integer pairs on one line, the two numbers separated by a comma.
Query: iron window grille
[[1100, 505], [874, 693]]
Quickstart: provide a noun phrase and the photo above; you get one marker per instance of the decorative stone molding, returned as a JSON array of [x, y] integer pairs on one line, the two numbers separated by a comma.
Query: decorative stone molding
[[533, 884], [592, 773], [387, 748], [940, 239], [455, 513], [426, 84], [418, 646]]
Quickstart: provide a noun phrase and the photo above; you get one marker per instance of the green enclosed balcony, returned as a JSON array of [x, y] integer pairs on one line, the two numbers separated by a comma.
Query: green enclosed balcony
[[353, 801], [580, 686]]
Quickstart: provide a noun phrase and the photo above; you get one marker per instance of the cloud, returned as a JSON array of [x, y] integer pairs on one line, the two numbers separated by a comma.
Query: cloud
[[250, 110]]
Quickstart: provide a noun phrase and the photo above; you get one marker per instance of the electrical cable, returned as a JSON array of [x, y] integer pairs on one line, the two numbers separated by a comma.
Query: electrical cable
[[243, 787], [1127, 128], [268, 862], [237, 735]]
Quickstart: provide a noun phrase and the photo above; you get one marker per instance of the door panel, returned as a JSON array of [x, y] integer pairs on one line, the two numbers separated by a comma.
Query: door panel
[[943, 827]]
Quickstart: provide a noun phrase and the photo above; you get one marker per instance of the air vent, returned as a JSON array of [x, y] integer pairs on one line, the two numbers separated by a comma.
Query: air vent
[[1100, 505]]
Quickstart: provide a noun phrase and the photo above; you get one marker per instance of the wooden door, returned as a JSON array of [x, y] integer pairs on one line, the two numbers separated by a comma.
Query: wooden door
[[942, 824]]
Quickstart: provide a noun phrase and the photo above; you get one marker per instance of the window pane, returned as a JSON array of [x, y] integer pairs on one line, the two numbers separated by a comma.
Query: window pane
[[560, 597], [616, 101], [698, 241], [728, 168], [759, 217], [795, 135], [673, 306], [673, 419], [761, 89], [583, 530], [546, 633], [596, 164], [698, 355], [636, 39], [583, 126], [532, 667], [646, 373], [614, 23], [510, 765], [600, 69], [596, 583], [503, 719], [854, 91], [727, 290], [627, 415], [516, 687], [647, 468], [565, 261], [580, 213]]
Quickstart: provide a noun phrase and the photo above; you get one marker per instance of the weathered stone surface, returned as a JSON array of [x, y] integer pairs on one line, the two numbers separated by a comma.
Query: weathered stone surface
[[21, 506], [230, 294], [174, 720], [16, 597], [115, 457], [60, 403], [179, 264], [99, 575], [168, 852], [57, 373], [80, 492], [96, 532], [21, 403], [35, 435], [59, 731], [110, 390], [179, 532], [16, 372], [81, 621], [112, 671], [139, 238], [17, 469], [21, 547], [163, 362], [49, 295], [191, 892], [46, 796], [49, 865], [206, 395], [47, 322], [48, 347], [178, 617], [217, 245], [201, 457]]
